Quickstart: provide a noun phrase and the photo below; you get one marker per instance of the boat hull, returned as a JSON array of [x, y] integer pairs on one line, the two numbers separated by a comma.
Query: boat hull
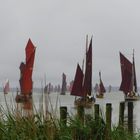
[[85, 103], [133, 98], [100, 96], [22, 98]]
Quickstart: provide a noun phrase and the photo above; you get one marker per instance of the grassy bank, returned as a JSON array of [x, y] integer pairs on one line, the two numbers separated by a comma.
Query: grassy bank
[[37, 127]]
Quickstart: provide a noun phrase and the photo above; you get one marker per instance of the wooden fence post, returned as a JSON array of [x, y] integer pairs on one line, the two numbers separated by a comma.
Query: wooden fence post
[[121, 114], [80, 113], [96, 111], [97, 117], [63, 114], [130, 117], [108, 121]]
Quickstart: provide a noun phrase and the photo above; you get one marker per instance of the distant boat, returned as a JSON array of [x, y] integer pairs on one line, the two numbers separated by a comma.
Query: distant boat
[[129, 82], [6, 87], [82, 85], [71, 85], [48, 88], [109, 88], [64, 84], [26, 70], [96, 88], [101, 88]]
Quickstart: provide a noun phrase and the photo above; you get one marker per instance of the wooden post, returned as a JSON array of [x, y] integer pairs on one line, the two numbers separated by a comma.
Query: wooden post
[[130, 117], [80, 113], [96, 111], [108, 121], [95, 130], [121, 114], [75, 131], [63, 114]]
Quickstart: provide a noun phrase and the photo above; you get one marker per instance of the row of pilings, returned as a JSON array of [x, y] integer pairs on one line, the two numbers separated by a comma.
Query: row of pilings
[[108, 121]]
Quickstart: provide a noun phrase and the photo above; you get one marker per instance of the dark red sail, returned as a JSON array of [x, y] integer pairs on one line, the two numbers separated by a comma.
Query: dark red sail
[[101, 86], [26, 70], [87, 84], [77, 84], [126, 72]]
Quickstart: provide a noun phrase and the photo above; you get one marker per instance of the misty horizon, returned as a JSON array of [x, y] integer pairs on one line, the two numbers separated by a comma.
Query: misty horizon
[[58, 29]]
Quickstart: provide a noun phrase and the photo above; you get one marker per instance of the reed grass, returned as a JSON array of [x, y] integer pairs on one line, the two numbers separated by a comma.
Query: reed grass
[[15, 126], [34, 128]]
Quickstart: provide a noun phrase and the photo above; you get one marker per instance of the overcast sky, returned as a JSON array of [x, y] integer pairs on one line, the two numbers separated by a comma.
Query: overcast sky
[[58, 29]]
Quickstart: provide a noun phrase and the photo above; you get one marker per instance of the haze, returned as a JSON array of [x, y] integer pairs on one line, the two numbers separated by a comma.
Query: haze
[[58, 29]]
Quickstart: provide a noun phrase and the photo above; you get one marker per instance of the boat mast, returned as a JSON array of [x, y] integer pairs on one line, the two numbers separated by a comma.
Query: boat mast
[[134, 81], [86, 43], [87, 82], [85, 53], [85, 63], [99, 82]]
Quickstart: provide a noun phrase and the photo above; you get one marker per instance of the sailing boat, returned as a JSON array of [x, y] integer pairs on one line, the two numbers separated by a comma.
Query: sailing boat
[[129, 82], [6, 87], [48, 88], [82, 85], [64, 84], [26, 70], [101, 88], [109, 88]]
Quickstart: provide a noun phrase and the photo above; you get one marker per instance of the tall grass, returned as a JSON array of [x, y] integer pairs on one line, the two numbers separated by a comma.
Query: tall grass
[[15, 126], [36, 128]]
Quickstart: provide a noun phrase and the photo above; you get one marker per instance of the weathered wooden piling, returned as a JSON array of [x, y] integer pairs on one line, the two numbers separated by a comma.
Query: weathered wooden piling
[[121, 114], [108, 115], [130, 117], [63, 114], [96, 111], [80, 113], [97, 116], [108, 121]]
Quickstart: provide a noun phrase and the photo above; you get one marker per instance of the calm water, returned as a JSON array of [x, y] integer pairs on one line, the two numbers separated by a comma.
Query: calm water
[[55, 101]]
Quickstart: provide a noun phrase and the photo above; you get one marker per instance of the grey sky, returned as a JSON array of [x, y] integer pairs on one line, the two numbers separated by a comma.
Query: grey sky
[[58, 29]]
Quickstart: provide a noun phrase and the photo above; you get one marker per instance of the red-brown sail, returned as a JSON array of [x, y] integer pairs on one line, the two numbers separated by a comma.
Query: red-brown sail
[[101, 86], [26, 70], [77, 84], [82, 85], [126, 72], [87, 83]]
